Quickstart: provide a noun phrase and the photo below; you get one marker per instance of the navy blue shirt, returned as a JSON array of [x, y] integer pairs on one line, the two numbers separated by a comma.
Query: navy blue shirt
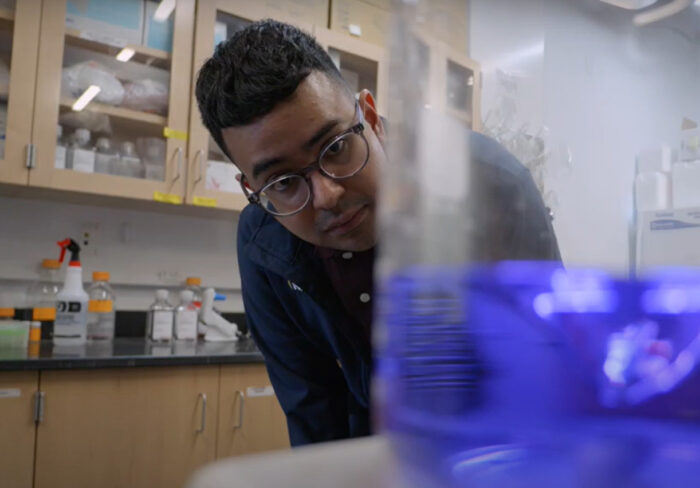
[[316, 350]]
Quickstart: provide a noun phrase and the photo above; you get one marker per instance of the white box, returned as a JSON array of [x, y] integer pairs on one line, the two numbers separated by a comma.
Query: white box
[[114, 23], [690, 145], [670, 238], [221, 176], [652, 191]]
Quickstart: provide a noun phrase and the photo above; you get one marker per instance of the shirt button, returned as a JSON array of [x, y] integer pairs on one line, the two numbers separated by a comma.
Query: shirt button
[[364, 298], [347, 255]]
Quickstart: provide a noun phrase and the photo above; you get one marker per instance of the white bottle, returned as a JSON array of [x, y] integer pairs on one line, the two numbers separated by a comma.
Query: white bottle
[[60, 154], [81, 157], [160, 318], [70, 327], [186, 316], [105, 156], [130, 161]]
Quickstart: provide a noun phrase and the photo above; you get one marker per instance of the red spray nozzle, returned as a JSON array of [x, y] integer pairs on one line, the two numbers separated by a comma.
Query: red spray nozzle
[[72, 246]]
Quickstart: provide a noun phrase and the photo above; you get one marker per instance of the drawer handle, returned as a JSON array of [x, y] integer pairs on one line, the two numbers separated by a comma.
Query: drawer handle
[[203, 420], [240, 395]]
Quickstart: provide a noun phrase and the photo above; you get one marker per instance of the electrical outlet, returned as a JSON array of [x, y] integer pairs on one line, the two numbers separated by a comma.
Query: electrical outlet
[[88, 238]]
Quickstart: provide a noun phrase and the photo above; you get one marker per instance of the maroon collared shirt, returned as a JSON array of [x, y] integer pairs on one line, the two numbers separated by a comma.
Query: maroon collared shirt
[[351, 275]]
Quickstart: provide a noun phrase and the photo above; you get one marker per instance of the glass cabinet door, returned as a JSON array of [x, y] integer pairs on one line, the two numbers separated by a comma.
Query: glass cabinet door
[[462, 88], [110, 112], [19, 40], [212, 177], [362, 64]]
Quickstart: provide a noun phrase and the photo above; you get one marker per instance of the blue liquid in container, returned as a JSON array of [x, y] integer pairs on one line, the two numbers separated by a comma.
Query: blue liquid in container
[[526, 374]]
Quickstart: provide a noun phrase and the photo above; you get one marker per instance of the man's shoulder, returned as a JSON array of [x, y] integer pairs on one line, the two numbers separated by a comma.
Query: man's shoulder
[[491, 158]]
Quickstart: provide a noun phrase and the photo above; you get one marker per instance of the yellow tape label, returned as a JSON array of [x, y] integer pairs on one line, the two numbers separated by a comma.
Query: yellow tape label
[[167, 198], [204, 201], [100, 306], [7, 312], [174, 134], [44, 314]]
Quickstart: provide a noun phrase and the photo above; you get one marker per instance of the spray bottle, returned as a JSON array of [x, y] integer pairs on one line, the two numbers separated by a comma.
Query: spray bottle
[[70, 328]]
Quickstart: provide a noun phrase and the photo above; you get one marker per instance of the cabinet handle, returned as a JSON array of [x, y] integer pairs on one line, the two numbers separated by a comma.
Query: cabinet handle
[[203, 420], [240, 395], [178, 154], [39, 398], [198, 157]]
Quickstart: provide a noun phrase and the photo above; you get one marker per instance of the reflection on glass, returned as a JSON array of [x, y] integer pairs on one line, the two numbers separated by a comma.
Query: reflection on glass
[[6, 28], [220, 173], [115, 87], [360, 73], [460, 86]]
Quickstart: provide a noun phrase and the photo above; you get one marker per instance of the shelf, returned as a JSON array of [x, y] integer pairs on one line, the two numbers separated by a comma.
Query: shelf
[[119, 112], [144, 55]]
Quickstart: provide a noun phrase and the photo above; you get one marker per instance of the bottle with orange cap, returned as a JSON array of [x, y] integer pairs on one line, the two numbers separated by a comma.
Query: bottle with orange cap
[[194, 283], [41, 296], [100, 326]]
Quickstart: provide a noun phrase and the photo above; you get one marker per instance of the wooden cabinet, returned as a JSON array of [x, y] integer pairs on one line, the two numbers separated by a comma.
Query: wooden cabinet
[[17, 390], [250, 417], [74, 60], [141, 427], [19, 39], [211, 177]]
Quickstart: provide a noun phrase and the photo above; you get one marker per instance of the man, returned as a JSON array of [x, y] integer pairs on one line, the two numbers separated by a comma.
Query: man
[[310, 155]]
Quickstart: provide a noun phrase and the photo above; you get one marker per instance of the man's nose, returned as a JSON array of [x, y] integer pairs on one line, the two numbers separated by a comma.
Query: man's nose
[[326, 191]]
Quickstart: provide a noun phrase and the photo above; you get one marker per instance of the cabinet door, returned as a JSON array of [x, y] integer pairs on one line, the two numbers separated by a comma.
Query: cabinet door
[[19, 42], [212, 177], [122, 72], [147, 427], [250, 417], [17, 426], [363, 65], [461, 87]]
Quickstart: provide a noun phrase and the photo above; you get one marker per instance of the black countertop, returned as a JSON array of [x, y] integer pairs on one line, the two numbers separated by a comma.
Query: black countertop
[[128, 352]]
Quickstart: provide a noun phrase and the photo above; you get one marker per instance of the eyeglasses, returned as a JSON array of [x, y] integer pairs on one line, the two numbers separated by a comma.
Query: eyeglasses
[[343, 157]]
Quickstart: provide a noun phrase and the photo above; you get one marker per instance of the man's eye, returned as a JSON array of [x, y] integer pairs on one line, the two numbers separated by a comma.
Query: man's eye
[[282, 184], [336, 148]]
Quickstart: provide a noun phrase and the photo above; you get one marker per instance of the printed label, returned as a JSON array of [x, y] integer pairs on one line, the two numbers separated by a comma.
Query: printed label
[[100, 306], [186, 324], [162, 325], [44, 314], [260, 391], [71, 319], [10, 393]]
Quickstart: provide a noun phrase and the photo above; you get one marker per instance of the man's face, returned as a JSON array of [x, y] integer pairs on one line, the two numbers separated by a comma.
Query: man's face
[[341, 213]]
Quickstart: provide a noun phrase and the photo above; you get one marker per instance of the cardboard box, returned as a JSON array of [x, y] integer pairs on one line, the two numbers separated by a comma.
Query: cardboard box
[[114, 23], [361, 20]]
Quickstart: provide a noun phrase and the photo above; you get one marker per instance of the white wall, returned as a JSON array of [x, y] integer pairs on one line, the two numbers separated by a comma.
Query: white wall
[[141, 249], [607, 90]]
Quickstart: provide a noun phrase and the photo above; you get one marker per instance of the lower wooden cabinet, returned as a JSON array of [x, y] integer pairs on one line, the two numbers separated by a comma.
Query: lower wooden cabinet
[[145, 427], [132, 427], [250, 417], [17, 428]]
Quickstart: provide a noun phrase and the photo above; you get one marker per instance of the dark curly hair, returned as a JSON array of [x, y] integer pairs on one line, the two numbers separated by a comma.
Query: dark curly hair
[[254, 70]]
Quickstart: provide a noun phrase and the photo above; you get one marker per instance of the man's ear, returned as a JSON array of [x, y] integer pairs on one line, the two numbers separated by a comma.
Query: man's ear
[[369, 111]]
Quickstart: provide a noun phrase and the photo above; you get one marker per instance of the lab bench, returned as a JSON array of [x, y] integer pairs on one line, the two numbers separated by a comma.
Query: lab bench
[[131, 412]]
